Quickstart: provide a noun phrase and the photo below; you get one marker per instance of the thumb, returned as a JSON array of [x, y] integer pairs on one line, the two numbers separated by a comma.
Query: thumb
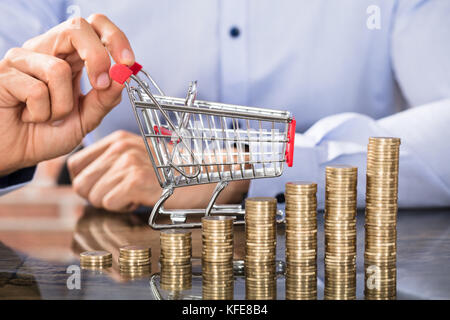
[[96, 104]]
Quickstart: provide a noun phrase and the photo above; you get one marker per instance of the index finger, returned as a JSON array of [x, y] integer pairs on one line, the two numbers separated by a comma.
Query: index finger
[[80, 37], [113, 39], [69, 37]]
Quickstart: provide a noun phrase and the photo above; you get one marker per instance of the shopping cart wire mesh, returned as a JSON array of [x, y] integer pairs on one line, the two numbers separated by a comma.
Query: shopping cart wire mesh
[[192, 142]]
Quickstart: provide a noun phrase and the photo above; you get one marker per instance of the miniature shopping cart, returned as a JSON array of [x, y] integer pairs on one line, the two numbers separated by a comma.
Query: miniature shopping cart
[[192, 142]]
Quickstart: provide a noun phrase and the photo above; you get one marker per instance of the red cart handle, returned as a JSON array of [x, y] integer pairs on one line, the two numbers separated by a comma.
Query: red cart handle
[[290, 144], [120, 72]]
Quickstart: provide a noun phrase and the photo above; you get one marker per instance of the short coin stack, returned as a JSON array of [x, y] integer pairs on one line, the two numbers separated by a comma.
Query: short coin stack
[[340, 232], [380, 255], [301, 240], [175, 259], [95, 259], [134, 261], [217, 257], [261, 232]]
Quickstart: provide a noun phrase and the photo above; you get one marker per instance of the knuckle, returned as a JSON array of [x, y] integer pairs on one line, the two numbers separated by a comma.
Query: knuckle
[[38, 90], [29, 43], [108, 204], [77, 186], [121, 134], [72, 25], [3, 66], [93, 199], [60, 69], [12, 53], [110, 37], [96, 17], [77, 21], [120, 147], [129, 159], [72, 164], [137, 175], [100, 58]]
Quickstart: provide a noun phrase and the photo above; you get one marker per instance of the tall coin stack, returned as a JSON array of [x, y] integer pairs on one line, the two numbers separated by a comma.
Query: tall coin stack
[[261, 233], [134, 261], [380, 255], [340, 232], [301, 240], [175, 259], [217, 258], [95, 260]]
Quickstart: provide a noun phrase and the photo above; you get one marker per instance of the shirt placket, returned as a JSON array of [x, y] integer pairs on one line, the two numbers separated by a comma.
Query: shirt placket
[[233, 29]]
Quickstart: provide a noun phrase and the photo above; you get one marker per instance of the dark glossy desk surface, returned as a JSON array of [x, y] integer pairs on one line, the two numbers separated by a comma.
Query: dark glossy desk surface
[[423, 258]]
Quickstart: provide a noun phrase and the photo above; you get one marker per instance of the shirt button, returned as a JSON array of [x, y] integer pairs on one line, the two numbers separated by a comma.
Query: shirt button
[[235, 32]]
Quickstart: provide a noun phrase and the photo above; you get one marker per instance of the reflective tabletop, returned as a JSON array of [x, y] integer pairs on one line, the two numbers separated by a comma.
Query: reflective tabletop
[[38, 265]]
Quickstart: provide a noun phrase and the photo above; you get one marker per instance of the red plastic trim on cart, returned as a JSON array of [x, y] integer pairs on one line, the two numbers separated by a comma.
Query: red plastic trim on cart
[[120, 72], [290, 144], [136, 67], [164, 132]]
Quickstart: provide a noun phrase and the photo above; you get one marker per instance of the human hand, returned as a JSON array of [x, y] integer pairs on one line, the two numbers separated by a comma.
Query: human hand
[[116, 174], [43, 112]]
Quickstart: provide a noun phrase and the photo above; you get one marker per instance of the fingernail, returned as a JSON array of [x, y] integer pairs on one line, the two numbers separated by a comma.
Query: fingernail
[[57, 123], [103, 80], [127, 56]]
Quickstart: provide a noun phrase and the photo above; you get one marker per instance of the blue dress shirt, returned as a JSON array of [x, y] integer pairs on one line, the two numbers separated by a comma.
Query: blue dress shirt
[[342, 80]]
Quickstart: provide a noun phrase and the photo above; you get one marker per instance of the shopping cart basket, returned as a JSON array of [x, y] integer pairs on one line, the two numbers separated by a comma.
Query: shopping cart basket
[[192, 142]]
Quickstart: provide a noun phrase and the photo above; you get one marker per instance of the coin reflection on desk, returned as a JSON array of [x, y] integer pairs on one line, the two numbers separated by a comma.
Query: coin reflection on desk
[[110, 231], [175, 259]]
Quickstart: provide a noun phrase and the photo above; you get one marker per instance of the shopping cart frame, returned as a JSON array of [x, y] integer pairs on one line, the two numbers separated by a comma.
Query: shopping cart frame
[[186, 108]]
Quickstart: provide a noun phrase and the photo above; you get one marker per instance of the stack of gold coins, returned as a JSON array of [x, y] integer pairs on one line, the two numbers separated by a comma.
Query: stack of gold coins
[[217, 258], [175, 259], [217, 239], [301, 240], [261, 232], [95, 259], [134, 261], [340, 232], [380, 256]]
